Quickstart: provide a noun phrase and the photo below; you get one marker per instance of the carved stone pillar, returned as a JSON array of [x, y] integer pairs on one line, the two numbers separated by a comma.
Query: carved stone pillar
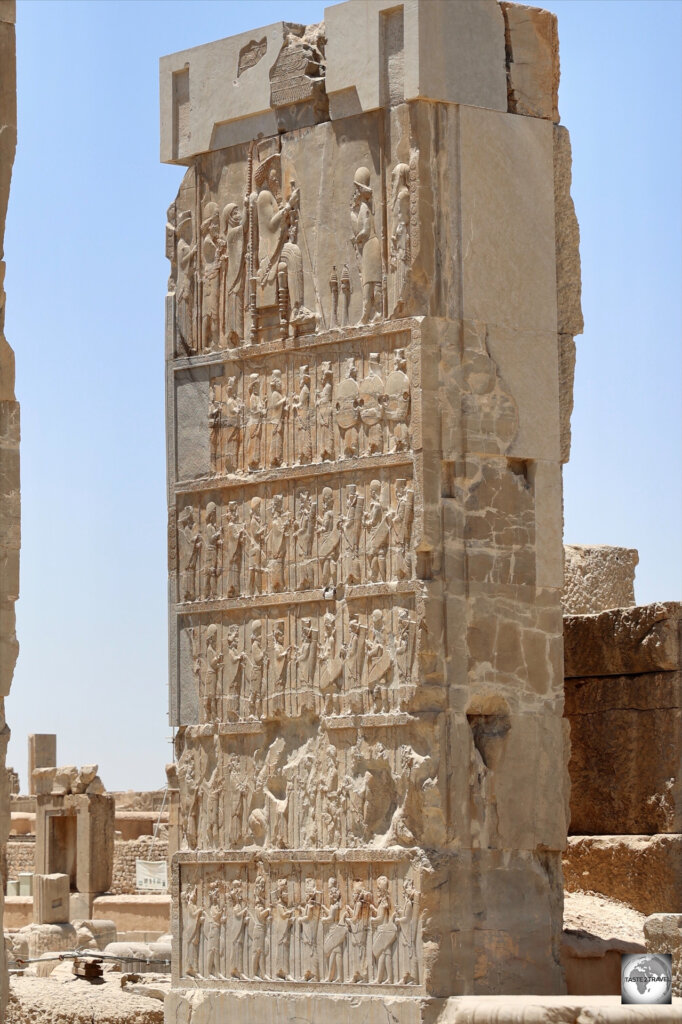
[[365, 513]]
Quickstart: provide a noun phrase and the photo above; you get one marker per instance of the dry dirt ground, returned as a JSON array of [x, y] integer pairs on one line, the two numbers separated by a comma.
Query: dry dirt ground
[[64, 999]]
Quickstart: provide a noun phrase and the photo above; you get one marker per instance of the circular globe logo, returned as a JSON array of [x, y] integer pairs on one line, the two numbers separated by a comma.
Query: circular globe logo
[[647, 978]]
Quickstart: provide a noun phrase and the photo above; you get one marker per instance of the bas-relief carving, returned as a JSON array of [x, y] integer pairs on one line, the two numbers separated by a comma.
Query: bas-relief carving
[[328, 662], [307, 538], [296, 793], [404, 227], [367, 246], [297, 414], [331, 924]]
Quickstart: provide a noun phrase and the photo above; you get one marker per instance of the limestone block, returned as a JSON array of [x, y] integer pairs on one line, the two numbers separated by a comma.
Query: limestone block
[[623, 641], [101, 931], [614, 721], [43, 780], [64, 779], [592, 965], [507, 211], [549, 530], [663, 934], [51, 938], [51, 899], [135, 913], [569, 310], [219, 94], [532, 61], [645, 872], [42, 753], [8, 11], [451, 52], [567, 354], [598, 577]]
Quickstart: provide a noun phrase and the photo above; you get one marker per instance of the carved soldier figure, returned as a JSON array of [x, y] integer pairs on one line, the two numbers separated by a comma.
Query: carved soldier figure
[[235, 223], [215, 417], [238, 792], [190, 547], [400, 235], [331, 668], [367, 246], [401, 520], [235, 536], [254, 551], [259, 918], [277, 408], [358, 914], [280, 664], [397, 402], [407, 922], [379, 662], [238, 920], [213, 918], [192, 927], [257, 666], [280, 526], [353, 656], [212, 250], [304, 534], [348, 410], [372, 402], [351, 528], [385, 933], [323, 404], [377, 523], [404, 647], [330, 538], [189, 800], [213, 546], [309, 917], [235, 672], [300, 403], [306, 659], [234, 412], [336, 932], [283, 920], [213, 675], [254, 423], [185, 288], [213, 792]]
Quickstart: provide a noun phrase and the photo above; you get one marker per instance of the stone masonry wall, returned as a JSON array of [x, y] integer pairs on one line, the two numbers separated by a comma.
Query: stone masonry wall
[[19, 855], [9, 437], [126, 852]]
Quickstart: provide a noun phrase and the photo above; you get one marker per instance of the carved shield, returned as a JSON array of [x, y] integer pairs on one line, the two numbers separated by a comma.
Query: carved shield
[[379, 669], [371, 394], [398, 395], [347, 403], [384, 937]]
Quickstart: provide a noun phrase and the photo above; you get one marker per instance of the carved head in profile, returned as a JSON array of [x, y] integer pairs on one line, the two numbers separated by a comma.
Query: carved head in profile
[[184, 229], [399, 360], [382, 887], [351, 370], [211, 512], [282, 891], [375, 489], [278, 632], [277, 505], [377, 620], [232, 508], [256, 630], [327, 498], [211, 221], [231, 386], [212, 635], [233, 636], [304, 376], [254, 384], [268, 175], [329, 623], [399, 180], [255, 508], [409, 890], [276, 380], [186, 517], [361, 181], [354, 624]]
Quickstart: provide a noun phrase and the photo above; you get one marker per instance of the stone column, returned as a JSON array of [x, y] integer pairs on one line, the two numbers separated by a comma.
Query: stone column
[[9, 439], [368, 404]]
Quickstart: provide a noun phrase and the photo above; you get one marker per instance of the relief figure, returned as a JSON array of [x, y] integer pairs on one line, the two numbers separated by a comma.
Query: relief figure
[[335, 933], [234, 413], [234, 671], [348, 410], [329, 539], [378, 533], [300, 404], [190, 549], [212, 251], [367, 246], [372, 401], [257, 929], [309, 918], [323, 405], [283, 920], [351, 523], [400, 234], [407, 921], [385, 933], [234, 539], [254, 549], [276, 540], [236, 931], [397, 403], [255, 415], [276, 412], [304, 535], [185, 297], [235, 223], [213, 546], [358, 915], [212, 675], [193, 918], [401, 519]]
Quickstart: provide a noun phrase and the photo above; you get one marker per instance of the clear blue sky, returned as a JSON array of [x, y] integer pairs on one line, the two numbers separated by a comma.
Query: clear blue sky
[[86, 281]]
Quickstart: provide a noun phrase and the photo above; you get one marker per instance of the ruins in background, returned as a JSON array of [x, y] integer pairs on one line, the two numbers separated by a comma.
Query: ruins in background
[[373, 294]]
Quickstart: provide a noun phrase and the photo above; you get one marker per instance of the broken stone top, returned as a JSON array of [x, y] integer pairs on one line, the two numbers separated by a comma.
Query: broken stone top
[[366, 55]]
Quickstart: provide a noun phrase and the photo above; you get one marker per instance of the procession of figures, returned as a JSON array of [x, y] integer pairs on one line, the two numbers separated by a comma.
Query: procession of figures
[[334, 662], [309, 536], [300, 414], [272, 929], [237, 273], [335, 790]]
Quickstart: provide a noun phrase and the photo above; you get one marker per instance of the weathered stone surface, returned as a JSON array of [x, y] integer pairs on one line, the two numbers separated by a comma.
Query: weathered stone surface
[[623, 641], [364, 528], [9, 443], [645, 872], [54, 1000], [627, 729], [663, 933], [51, 899], [598, 577], [42, 753], [532, 48]]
